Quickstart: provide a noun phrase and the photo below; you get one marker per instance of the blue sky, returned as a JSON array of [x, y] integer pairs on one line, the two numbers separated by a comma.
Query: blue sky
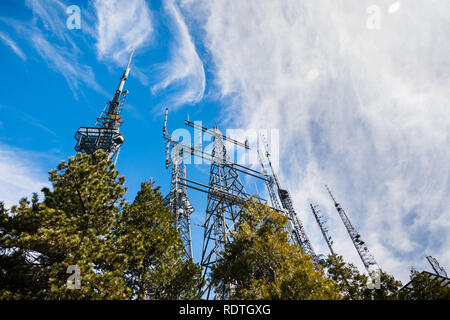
[[363, 109]]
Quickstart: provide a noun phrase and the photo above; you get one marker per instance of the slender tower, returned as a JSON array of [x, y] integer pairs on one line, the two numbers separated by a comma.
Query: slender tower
[[105, 134], [177, 200], [295, 226], [270, 184], [320, 222], [223, 209], [366, 257]]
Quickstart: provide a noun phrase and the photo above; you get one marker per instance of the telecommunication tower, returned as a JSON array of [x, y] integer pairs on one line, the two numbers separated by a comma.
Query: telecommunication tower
[[177, 200], [324, 230], [226, 194], [295, 226], [105, 134], [366, 257]]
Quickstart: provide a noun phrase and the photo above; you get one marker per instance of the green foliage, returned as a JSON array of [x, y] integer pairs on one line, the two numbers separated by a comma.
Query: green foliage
[[259, 262], [424, 288], [132, 251], [155, 268], [354, 286], [121, 256]]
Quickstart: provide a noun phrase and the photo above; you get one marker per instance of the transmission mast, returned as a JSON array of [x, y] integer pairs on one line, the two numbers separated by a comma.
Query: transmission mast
[[226, 195], [177, 200], [295, 226], [105, 134], [366, 257], [324, 230], [436, 267]]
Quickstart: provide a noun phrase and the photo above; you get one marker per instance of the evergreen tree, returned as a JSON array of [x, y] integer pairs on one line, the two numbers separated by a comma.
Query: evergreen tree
[[354, 286], [260, 263], [73, 226], [424, 288], [158, 267], [80, 223]]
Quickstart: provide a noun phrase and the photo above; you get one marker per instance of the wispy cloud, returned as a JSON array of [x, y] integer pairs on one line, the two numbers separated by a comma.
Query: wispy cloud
[[365, 111], [66, 64], [185, 69], [19, 177], [54, 44], [13, 46], [121, 27], [52, 15]]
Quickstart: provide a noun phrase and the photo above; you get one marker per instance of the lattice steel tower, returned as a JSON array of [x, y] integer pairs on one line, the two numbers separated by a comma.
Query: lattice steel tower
[[366, 257], [177, 200], [226, 193], [322, 227], [226, 196], [105, 134], [295, 226]]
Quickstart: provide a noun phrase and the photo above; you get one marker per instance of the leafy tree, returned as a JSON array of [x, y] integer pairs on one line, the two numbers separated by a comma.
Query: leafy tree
[[424, 288], [354, 286], [260, 263], [80, 223], [158, 267]]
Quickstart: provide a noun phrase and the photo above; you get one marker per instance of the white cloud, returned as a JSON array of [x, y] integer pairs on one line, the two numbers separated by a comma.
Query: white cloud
[[373, 123], [54, 43], [52, 14], [19, 176], [65, 62], [13, 46], [184, 69], [121, 27]]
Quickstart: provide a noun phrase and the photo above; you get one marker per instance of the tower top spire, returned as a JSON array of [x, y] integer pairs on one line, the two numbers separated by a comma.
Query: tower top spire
[[331, 195]]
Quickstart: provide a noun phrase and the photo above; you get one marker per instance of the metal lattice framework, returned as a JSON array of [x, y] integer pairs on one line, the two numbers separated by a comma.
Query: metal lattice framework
[[226, 197], [226, 194], [322, 227], [295, 226], [177, 200], [105, 134], [224, 206], [440, 271], [366, 257]]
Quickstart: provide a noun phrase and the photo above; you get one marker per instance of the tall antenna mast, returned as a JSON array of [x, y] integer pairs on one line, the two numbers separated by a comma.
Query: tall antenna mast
[[366, 257], [320, 222], [295, 226], [177, 200], [105, 134]]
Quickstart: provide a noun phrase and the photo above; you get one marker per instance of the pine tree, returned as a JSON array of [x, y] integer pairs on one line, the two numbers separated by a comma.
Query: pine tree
[[424, 288], [158, 267], [80, 225], [73, 226], [260, 263], [354, 286]]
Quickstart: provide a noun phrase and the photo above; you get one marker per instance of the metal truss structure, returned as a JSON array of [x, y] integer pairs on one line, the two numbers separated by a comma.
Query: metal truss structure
[[177, 200], [440, 271], [226, 194], [321, 224], [105, 134], [366, 257], [295, 226]]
